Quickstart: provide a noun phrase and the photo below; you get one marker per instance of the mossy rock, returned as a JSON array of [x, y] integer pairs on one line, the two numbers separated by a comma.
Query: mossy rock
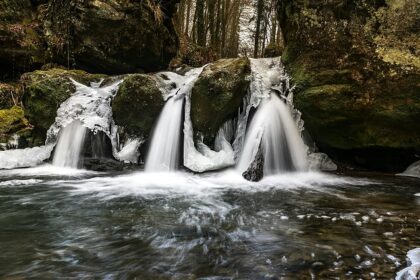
[[357, 79], [217, 95], [10, 95], [12, 121], [137, 104], [44, 91]]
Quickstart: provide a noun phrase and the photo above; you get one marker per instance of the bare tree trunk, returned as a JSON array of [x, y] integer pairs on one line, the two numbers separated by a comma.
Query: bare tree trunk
[[200, 24], [260, 8]]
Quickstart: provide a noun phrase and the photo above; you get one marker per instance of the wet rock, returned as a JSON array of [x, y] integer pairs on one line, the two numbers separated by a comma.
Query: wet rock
[[217, 95], [137, 104], [102, 164], [255, 171], [357, 77]]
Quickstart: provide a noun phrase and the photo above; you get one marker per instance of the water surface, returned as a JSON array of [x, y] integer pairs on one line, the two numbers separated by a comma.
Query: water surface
[[60, 224]]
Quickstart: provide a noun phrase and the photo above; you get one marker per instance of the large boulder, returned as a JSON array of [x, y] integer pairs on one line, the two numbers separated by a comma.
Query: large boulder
[[357, 70], [217, 95], [99, 36], [111, 37], [45, 90], [137, 105]]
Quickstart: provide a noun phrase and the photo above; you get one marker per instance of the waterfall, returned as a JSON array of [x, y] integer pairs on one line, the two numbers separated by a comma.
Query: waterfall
[[69, 148], [164, 153], [273, 127], [274, 130]]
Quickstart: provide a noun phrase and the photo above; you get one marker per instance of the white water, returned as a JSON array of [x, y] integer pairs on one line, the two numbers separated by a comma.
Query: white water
[[413, 271], [274, 129], [164, 152], [412, 171], [197, 156], [69, 148]]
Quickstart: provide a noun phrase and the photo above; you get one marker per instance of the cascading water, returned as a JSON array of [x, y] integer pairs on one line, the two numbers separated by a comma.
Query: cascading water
[[164, 153], [272, 128], [68, 150]]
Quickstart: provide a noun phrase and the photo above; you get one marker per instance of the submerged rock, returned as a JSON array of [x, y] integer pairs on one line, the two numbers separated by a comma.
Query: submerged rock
[[217, 95], [137, 104], [255, 171], [356, 67]]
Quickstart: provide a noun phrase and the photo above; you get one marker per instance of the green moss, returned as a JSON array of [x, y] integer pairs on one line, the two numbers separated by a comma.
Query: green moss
[[44, 91], [137, 104], [12, 121], [218, 94], [355, 71]]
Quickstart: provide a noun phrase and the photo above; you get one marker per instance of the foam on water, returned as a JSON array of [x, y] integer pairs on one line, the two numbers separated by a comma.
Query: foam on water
[[175, 184], [45, 170], [15, 183]]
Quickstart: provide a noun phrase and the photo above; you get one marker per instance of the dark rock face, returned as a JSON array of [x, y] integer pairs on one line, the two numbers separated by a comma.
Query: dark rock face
[[21, 45], [111, 37], [102, 36], [255, 171], [357, 70], [217, 95], [137, 104]]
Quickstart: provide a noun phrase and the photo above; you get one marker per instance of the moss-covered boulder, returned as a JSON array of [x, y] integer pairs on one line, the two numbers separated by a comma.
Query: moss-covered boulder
[[357, 70], [45, 90], [218, 94], [137, 104], [12, 121]]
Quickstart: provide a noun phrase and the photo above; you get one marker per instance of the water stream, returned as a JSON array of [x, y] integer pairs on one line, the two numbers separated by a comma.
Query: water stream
[[69, 148], [165, 151]]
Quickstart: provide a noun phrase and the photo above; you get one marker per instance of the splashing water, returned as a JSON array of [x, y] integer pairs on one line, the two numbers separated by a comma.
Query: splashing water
[[69, 148]]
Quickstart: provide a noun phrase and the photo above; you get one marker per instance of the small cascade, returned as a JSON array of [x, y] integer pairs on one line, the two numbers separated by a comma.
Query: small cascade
[[84, 120], [69, 148], [274, 131], [165, 150], [273, 128]]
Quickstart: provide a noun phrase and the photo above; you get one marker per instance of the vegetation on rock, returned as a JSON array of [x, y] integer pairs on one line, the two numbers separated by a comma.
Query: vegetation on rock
[[45, 90], [12, 121], [217, 95], [356, 69], [137, 104]]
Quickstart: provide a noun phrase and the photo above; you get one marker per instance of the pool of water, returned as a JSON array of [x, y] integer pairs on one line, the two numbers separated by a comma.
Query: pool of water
[[56, 223]]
